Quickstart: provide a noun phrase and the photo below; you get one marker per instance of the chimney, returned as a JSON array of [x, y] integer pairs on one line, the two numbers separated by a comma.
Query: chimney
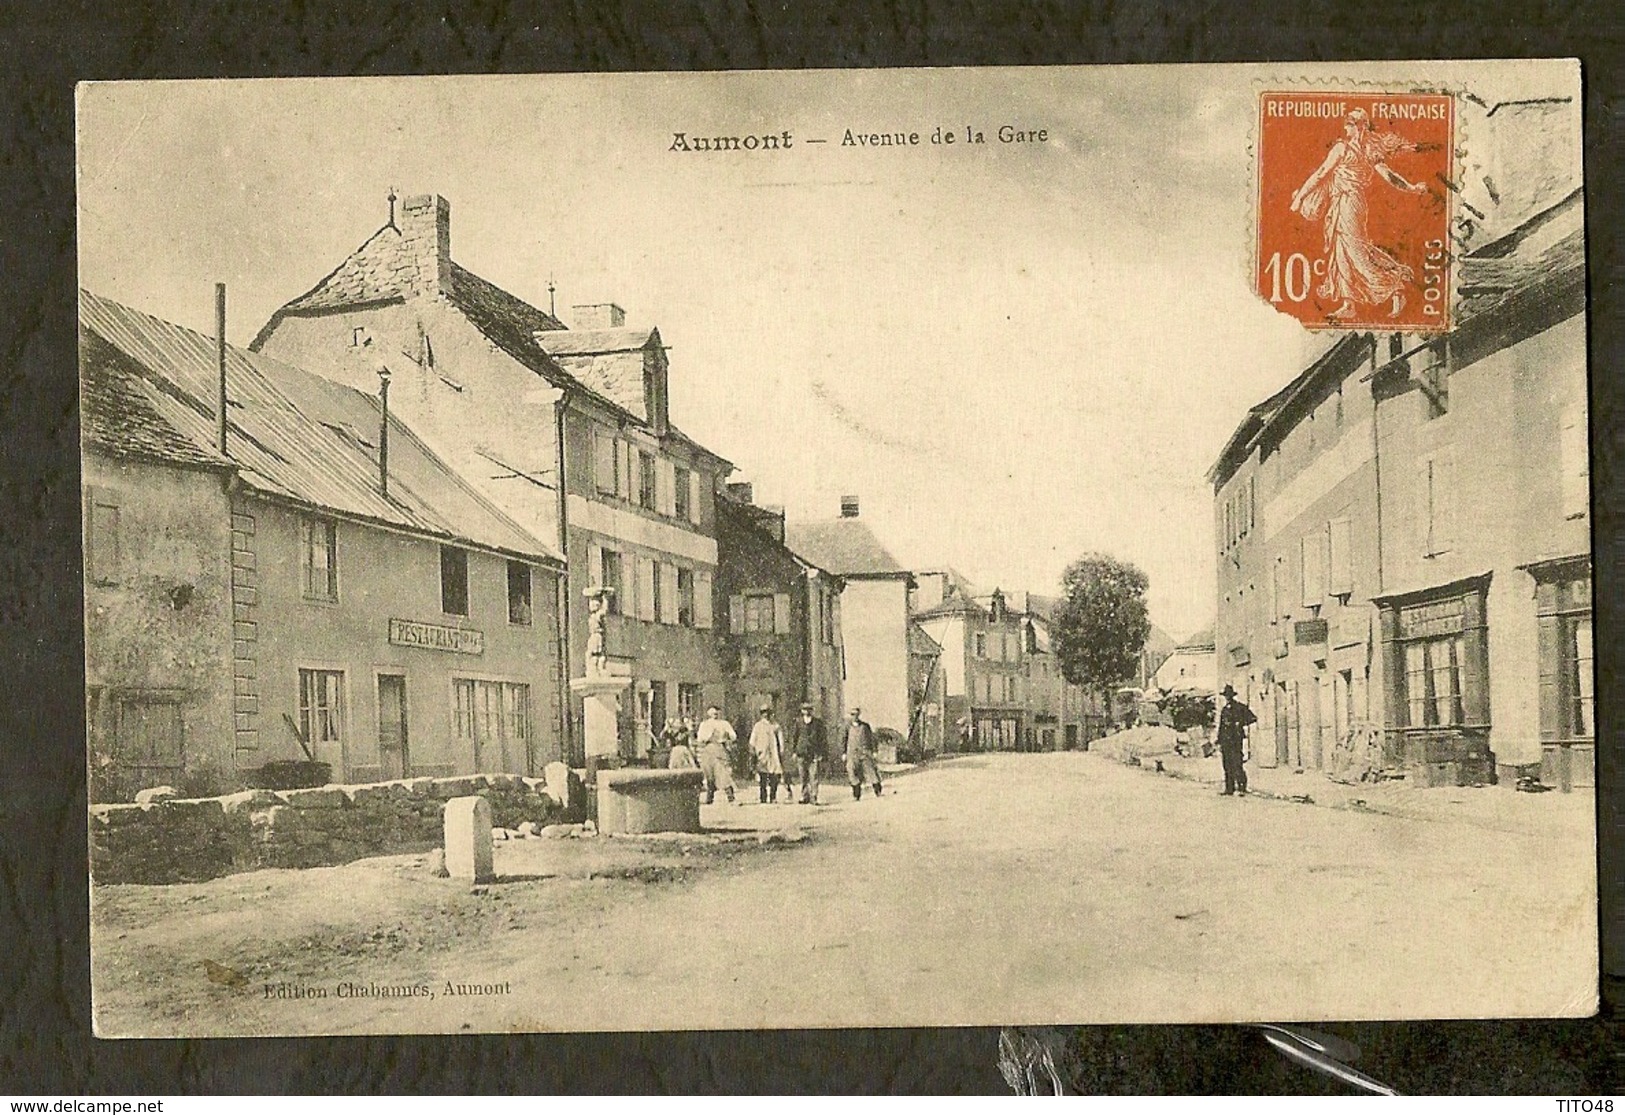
[[740, 491], [849, 507], [599, 315], [773, 521], [425, 225]]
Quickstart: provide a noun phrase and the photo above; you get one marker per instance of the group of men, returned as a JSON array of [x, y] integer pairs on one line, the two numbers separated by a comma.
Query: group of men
[[708, 749]]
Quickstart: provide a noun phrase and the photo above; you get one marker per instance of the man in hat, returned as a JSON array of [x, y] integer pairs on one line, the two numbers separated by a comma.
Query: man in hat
[[860, 755], [767, 745], [810, 743], [1233, 721]]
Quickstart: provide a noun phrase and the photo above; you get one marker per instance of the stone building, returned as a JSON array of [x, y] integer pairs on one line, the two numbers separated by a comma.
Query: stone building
[[875, 617], [1403, 533], [303, 593], [567, 430], [1191, 665], [778, 618]]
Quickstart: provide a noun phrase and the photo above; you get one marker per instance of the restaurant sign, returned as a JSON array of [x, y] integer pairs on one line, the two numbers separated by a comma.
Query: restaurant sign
[[434, 636]]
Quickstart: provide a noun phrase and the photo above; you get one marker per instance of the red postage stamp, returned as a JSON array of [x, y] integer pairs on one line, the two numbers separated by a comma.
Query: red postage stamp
[[1354, 195]]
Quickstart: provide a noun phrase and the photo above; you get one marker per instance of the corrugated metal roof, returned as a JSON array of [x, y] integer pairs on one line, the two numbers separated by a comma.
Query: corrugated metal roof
[[845, 547], [292, 434]]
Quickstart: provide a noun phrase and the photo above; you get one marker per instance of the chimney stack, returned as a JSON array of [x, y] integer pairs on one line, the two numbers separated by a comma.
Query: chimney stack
[[849, 507], [598, 315], [425, 224], [740, 491]]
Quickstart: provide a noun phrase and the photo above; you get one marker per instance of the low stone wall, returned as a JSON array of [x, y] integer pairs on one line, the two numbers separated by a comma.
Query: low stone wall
[[188, 840]]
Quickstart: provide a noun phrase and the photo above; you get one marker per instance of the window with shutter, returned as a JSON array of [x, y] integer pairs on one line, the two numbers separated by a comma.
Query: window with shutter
[[1341, 575], [781, 613], [603, 466], [682, 493], [702, 599], [646, 589], [1575, 463], [736, 614]]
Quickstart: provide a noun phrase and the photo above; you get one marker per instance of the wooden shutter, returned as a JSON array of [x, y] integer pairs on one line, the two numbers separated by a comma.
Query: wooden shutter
[[646, 589], [666, 487], [626, 457], [603, 457], [736, 614], [668, 593], [835, 625], [1576, 465], [1444, 503], [702, 599], [781, 613], [595, 565], [694, 497], [1341, 576], [1549, 651]]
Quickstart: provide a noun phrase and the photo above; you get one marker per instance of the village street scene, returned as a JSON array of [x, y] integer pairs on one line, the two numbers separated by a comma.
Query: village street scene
[[882, 613]]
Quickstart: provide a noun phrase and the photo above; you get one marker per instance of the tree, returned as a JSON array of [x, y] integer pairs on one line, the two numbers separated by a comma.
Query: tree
[[1101, 625]]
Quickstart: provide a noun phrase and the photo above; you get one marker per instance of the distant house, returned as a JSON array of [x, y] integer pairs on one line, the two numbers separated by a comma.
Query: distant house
[[295, 594], [874, 614], [1191, 665], [778, 618], [569, 431]]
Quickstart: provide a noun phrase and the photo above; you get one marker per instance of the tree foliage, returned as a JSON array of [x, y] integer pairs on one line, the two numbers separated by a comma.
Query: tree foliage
[[1101, 625]]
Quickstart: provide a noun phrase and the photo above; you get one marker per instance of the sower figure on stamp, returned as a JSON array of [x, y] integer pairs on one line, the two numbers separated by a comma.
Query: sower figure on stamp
[[860, 755], [767, 745], [1233, 721], [810, 743], [1356, 269], [714, 737]]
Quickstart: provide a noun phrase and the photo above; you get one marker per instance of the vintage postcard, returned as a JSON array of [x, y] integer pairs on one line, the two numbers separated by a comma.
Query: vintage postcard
[[810, 549]]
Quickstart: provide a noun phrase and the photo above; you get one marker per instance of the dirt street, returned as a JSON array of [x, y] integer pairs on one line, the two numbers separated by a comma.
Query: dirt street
[[986, 889]]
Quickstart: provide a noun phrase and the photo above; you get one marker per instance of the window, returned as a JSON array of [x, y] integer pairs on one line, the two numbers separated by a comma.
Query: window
[[657, 707], [827, 618], [1565, 651], [1436, 497], [494, 717], [981, 645], [1575, 463], [519, 593], [321, 709], [609, 577], [453, 581], [688, 699], [758, 614], [1441, 658], [1313, 552], [1341, 574], [646, 481], [102, 558], [320, 549], [606, 463], [685, 597], [682, 496]]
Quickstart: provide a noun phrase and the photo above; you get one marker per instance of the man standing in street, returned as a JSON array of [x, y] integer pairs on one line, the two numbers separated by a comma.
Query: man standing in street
[[810, 743], [767, 745], [860, 755], [714, 736], [1233, 721]]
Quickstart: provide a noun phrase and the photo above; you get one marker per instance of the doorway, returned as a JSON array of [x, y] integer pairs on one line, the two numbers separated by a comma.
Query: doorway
[[392, 755]]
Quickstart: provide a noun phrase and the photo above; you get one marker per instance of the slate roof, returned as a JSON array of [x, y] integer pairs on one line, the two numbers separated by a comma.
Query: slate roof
[[845, 547], [150, 388], [922, 644], [952, 605], [612, 360], [1201, 641]]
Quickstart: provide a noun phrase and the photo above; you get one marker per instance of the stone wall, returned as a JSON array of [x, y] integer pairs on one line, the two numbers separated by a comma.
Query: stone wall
[[188, 840]]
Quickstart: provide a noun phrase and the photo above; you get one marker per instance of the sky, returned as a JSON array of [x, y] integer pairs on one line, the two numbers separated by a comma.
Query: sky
[[1013, 354]]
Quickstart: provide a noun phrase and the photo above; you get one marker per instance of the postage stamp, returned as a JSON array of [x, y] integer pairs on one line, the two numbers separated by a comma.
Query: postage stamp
[[1354, 192]]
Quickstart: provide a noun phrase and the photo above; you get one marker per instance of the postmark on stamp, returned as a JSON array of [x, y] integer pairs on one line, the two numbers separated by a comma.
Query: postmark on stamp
[[1354, 192]]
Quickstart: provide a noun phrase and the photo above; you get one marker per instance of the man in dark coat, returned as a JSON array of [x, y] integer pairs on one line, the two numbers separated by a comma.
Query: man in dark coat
[[860, 755], [1233, 721], [809, 742]]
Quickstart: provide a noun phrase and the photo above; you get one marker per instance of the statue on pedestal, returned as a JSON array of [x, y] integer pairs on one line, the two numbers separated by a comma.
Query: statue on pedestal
[[598, 629]]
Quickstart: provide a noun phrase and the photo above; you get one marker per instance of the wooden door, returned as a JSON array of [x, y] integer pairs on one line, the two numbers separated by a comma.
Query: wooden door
[[392, 757]]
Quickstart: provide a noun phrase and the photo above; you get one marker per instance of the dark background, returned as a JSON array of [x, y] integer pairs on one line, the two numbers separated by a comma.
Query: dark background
[[45, 1042]]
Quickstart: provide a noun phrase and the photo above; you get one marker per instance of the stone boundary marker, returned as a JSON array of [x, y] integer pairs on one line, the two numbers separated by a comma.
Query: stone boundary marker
[[189, 840], [468, 839]]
